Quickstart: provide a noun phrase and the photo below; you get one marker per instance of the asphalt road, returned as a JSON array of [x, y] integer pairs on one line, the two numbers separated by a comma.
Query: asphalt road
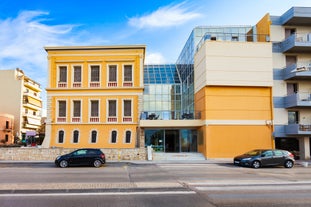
[[153, 184]]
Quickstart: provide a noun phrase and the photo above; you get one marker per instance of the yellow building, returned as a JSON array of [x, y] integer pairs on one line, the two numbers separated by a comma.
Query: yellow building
[[94, 96]]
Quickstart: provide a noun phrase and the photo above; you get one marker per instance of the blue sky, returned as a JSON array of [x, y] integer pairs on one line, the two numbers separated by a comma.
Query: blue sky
[[26, 26]]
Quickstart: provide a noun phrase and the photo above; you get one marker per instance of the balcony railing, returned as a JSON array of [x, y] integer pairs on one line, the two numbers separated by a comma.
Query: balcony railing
[[95, 84], [169, 115], [298, 129], [297, 43], [75, 119], [127, 119], [112, 119], [76, 85], [298, 100], [94, 119], [298, 72], [112, 84], [62, 84]]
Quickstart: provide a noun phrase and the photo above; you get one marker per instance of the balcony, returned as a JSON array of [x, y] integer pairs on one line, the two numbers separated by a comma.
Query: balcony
[[32, 85], [297, 43], [302, 100], [76, 119], [297, 16], [295, 72], [298, 129]]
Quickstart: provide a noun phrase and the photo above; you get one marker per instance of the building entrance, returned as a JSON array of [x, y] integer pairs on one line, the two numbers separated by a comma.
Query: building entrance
[[171, 140]]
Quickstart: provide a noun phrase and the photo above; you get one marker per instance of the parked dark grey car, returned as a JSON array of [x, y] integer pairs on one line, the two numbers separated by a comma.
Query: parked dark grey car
[[81, 157], [265, 157]]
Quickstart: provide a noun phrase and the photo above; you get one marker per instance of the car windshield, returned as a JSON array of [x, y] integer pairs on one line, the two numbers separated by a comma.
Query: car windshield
[[253, 152]]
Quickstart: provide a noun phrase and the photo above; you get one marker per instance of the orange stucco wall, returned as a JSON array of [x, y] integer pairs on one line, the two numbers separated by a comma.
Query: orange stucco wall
[[235, 119]]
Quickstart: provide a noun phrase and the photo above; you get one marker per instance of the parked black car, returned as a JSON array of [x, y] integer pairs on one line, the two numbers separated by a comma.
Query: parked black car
[[265, 157], [81, 157]]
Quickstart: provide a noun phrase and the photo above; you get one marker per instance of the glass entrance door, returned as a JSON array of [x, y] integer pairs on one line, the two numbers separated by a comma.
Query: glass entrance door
[[172, 141]]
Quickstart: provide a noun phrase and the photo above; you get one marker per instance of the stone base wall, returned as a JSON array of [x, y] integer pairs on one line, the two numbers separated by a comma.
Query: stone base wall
[[49, 154]]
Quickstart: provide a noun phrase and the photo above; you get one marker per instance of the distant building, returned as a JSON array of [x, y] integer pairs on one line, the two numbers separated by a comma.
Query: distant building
[[6, 129], [20, 96]]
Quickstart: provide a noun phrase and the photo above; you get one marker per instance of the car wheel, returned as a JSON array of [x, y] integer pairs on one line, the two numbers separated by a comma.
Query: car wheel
[[256, 164], [97, 163], [63, 164], [288, 164]]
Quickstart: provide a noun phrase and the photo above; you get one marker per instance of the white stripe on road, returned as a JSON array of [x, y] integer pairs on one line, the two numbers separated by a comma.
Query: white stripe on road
[[97, 193], [254, 188]]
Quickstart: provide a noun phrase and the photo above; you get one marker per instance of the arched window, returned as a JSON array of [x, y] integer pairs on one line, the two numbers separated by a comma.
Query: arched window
[[128, 137], [114, 136], [94, 136], [61, 136], [75, 136]]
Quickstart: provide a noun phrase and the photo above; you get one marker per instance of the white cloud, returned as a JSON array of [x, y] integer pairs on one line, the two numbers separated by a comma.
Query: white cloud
[[167, 16], [155, 58], [22, 40]]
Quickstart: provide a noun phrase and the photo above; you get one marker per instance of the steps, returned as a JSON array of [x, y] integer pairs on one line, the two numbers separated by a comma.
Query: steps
[[157, 156]]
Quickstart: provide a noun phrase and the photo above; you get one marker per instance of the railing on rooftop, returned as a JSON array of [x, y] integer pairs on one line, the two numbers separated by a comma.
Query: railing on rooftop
[[233, 37], [169, 115]]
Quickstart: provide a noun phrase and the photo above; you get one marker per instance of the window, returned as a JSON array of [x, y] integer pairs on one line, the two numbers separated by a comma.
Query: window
[[75, 136], [114, 136], [7, 124], [77, 70], [128, 137], [127, 107], [95, 73], [63, 74], [76, 111], [112, 73], [6, 138], [94, 111], [61, 111], [93, 136], [62, 81], [112, 107], [94, 108], [127, 75], [61, 136], [76, 108]]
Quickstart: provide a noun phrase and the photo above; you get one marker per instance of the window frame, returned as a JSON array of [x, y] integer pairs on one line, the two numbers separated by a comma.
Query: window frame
[[130, 138], [91, 136], [112, 83], [126, 118], [58, 137], [112, 141], [73, 117], [58, 117], [74, 141], [93, 119], [127, 83], [76, 84], [94, 83], [61, 84]]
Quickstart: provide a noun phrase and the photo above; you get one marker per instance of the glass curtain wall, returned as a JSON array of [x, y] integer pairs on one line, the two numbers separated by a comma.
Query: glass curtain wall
[[162, 93]]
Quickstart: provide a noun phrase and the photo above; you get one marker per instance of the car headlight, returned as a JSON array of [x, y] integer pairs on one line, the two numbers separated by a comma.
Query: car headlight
[[57, 158], [246, 159]]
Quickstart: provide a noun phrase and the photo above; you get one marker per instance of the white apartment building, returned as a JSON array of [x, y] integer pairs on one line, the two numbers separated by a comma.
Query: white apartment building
[[20, 97]]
